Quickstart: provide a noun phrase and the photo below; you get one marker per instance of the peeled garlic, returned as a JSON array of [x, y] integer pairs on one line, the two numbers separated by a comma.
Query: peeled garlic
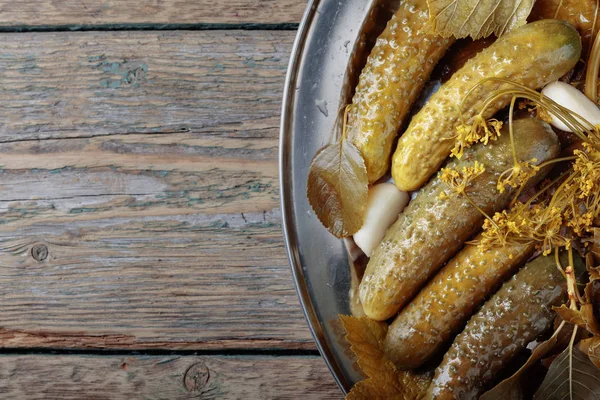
[[571, 98], [384, 205], [353, 250]]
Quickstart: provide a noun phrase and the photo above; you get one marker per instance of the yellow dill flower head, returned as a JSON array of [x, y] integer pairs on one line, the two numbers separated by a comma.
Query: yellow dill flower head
[[518, 175], [460, 180], [587, 172], [541, 112], [479, 130], [503, 228], [581, 223]]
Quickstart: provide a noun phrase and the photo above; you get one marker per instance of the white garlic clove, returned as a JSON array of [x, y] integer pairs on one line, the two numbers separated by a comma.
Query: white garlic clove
[[571, 98], [353, 250], [384, 205]]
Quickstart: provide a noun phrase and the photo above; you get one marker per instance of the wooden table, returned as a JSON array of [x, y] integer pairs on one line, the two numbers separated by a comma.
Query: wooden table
[[141, 254]]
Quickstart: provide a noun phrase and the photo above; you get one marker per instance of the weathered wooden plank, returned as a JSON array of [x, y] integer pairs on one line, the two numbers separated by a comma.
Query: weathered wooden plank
[[172, 378], [138, 192], [218, 84], [112, 12]]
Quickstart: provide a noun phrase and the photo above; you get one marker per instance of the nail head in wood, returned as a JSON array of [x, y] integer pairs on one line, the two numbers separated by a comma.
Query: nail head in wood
[[196, 377], [39, 252]]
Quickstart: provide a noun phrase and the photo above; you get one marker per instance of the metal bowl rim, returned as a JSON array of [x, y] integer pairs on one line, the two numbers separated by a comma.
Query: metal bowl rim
[[287, 199]]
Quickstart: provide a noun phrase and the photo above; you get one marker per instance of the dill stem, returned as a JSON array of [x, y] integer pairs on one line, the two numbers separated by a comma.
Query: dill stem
[[593, 67], [557, 160], [571, 343], [560, 188], [545, 188], [517, 194], [594, 26], [345, 122], [558, 265], [574, 295], [480, 210], [511, 130], [571, 277], [558, 9], [568, 117]]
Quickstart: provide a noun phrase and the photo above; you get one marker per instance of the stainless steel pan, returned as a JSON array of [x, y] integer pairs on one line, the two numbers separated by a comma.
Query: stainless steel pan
[[330, 48]]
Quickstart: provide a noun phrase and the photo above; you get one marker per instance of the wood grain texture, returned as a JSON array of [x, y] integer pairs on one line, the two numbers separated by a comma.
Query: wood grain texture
[[168, 378], [115, 12], [138, 191]]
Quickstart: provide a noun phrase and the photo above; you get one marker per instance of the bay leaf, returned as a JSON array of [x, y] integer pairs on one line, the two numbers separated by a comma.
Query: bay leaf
[[338, 187], [477, 19], [585, 378]]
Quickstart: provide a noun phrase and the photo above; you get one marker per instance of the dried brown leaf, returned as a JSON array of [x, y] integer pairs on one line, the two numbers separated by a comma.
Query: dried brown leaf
[[592, 263], [363, 390], [366, 338], [383, 381], [337, 188], [594, 351], [477, 19], [572, 316], [590, 311], [591, 260], [591, 347], [591, 322]]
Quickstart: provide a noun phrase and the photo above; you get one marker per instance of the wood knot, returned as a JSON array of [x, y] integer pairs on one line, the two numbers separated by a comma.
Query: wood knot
[[196, 377], [39, 252]]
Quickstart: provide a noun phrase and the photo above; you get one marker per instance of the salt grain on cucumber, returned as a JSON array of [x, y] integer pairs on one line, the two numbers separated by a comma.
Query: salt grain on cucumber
[[430, 231], [533, 55], [396, 71]]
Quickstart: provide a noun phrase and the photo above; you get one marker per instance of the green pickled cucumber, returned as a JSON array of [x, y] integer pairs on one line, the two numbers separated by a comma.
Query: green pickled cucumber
[[441, 309], [532, 55], [396, 71], [430, 231], [517, 314]]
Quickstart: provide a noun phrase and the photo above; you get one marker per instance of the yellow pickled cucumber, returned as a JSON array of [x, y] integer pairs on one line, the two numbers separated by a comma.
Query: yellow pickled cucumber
[[396, 71], [430, 231], [533, 55], [517, 314], [443, 306]]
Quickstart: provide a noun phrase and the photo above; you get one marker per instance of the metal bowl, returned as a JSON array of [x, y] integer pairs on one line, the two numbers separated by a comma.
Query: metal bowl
[[329, 51]]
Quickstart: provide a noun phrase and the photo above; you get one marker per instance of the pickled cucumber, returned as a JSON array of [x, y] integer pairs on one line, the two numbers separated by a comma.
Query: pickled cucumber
[[441, 309], [533, 55], [518, 313], [430, 230], [397, 69]]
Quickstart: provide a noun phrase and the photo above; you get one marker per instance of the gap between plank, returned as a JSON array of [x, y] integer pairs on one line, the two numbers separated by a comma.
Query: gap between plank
[[150, 27], [159, 352]]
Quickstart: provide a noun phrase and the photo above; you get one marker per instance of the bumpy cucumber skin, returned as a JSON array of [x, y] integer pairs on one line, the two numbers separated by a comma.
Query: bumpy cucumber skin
[[430, 231], [396, 71], [518, 313], [448, 301], [533, 55]]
